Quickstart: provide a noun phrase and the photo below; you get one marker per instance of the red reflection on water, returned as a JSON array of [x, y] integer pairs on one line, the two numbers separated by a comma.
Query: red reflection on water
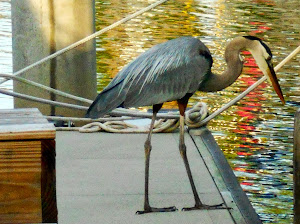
[[249, 116], [249, 62], [247, 183], [265, 2], [264, 27], [240, 169], [261, 27], [256, 23], [252, 140], [244, 153]]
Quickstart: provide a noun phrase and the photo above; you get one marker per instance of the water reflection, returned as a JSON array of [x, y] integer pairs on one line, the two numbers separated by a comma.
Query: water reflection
[[256, 133], [5, 50]]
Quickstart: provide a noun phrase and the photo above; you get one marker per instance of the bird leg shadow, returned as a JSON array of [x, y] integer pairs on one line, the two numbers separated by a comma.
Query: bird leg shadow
[[205, 207], [152, 209]]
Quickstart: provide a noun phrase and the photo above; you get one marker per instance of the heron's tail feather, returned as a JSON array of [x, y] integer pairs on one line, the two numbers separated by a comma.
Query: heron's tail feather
[[106, 101]]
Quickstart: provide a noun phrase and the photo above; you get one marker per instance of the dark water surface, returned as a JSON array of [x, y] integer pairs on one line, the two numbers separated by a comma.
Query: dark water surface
[[256, 134]]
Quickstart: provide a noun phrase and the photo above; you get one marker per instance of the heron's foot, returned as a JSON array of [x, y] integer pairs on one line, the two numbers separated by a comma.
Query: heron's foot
[[206, 207], [151, 209]]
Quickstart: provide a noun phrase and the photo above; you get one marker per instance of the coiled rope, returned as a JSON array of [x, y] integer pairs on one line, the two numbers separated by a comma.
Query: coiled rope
[[192, 118]]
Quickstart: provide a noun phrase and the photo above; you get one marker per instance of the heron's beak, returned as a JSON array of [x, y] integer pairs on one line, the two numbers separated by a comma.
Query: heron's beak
[[274, 81]]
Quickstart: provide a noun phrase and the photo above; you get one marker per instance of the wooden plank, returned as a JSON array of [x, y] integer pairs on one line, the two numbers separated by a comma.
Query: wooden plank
[[24, 124], [32, 113], [21, 110], [37, 134], [20, 194], [297, 168], [22, 120]]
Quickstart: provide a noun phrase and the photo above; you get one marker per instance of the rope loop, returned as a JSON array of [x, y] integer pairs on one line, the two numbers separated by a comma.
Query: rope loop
[[193, 117]]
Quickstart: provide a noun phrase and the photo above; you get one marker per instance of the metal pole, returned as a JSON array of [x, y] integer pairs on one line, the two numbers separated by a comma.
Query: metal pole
[[297, 168]]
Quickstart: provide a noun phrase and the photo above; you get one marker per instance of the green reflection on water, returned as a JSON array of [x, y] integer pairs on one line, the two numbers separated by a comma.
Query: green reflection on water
[[256, 133]]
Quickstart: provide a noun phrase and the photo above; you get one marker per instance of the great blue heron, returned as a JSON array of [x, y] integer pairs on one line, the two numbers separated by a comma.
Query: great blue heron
[[175, 70]]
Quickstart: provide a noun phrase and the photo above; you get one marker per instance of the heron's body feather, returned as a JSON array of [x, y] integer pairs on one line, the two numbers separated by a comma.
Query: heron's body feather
[[165, 72]]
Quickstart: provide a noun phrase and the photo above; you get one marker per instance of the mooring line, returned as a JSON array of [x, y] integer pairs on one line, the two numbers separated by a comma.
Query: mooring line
[[41, 100], [49, 89], [90, 37]]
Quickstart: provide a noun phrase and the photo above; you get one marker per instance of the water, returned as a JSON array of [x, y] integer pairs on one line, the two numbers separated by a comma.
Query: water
[[5, 51], [255, 134]]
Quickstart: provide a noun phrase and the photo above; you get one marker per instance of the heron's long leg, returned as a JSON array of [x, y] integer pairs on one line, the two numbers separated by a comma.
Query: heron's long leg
[[182, 149], [148, 147]]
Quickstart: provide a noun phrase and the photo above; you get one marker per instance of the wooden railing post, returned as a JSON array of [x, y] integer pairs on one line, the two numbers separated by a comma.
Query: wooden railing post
[[297, 168], [27, 168]]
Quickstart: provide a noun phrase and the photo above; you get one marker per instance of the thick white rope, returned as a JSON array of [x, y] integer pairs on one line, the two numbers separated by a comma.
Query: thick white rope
[[102, 119], [192, 117], [123, 127], [49, 89], [88, 38], [116, 112], [118, 124], [41, 100]]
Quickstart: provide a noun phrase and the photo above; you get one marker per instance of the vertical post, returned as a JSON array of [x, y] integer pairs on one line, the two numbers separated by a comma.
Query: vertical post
[[42, 27], [297, 168]]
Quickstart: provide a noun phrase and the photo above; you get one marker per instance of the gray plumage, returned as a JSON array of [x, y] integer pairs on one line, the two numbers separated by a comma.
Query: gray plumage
[[165, 72]]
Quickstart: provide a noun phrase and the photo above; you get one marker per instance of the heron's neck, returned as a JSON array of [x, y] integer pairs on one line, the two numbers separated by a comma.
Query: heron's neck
[[216, 82]]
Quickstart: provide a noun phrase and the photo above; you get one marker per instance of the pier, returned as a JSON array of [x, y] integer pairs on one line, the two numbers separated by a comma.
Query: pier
[[100, 176]]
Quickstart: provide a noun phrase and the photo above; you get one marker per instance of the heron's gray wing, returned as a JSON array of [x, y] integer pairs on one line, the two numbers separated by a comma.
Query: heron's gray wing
[[167, 72], [163, 73]]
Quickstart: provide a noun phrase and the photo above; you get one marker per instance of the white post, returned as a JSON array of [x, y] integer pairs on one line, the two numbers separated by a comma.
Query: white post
[[41, 27]]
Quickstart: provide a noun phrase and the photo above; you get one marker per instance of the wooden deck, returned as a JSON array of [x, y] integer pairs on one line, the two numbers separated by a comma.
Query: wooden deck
[[100, 179]]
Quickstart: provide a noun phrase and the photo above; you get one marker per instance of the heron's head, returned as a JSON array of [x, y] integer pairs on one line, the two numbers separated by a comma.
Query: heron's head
[[263, 57]]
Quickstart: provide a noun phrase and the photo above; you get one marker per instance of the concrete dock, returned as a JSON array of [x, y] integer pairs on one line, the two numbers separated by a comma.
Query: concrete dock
[[100, 179]]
